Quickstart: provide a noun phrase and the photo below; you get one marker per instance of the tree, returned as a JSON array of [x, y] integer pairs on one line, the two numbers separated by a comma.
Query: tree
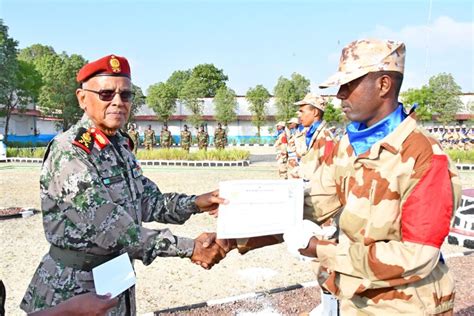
[[444, 97], [225, 103], [421, 97], [287, 92], [258, 98], [161, 98], [137, 102], [190, 96], [35, 52], [58, 94], [210, 78], [332, 114], [177, 80]]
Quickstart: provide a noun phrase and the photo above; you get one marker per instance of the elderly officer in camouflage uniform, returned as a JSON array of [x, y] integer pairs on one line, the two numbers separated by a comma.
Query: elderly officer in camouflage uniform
[[220, 137], [316, 141], [149, 138], [281, 145], [94, 198], [165, 137], [133, 133], [186, 138], [202, 138]]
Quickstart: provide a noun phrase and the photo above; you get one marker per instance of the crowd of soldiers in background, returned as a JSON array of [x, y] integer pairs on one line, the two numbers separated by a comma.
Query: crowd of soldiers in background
[[450, 137], [186, 139]]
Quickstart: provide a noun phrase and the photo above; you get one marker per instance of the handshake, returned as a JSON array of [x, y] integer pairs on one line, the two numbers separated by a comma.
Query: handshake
[[208, 250]]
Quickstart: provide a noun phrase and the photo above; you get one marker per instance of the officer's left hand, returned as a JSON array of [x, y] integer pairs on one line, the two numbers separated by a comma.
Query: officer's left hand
[[209, 202]]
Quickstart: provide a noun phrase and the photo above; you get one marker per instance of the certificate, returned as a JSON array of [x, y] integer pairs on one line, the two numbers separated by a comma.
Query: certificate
[[259, 207]]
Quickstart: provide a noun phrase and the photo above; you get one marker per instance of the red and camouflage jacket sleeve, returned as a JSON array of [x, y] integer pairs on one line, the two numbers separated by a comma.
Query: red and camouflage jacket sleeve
[[397, 213]]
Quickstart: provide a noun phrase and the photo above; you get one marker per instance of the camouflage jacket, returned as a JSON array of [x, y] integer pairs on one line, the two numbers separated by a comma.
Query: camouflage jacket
[[185, 138], [395, 203], [165, 138], [203, 139], [281, 147], [94, 199], [134, 136], [220, 138], [311, 156], [149, 136]]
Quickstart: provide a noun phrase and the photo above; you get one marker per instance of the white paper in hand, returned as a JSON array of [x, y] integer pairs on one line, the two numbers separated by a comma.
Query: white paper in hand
[[114, 276]]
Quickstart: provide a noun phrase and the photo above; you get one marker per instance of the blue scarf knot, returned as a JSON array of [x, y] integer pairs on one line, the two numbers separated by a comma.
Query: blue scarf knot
[[362, 137], [310, 132]]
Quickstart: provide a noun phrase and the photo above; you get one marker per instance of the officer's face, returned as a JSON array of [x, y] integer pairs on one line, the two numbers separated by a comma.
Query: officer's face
[[307, 114], [361, 100], [111, 115]]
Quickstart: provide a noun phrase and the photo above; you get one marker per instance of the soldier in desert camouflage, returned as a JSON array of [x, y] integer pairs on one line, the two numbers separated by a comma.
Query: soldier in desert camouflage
[[394, 190], [94, 198], [281, 145]]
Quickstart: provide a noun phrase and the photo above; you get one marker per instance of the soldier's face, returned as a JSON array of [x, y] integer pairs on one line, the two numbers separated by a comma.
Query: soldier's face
[[361, 101], [307, 114], [111, 115]]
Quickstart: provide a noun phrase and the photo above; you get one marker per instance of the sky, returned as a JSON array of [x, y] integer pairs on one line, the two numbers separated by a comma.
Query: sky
[[254, 42]]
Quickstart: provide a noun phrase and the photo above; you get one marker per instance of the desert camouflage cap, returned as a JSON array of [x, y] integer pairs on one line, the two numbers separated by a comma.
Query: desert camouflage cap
[[368, 55], [313, 99], [281, 123], [293, 120]]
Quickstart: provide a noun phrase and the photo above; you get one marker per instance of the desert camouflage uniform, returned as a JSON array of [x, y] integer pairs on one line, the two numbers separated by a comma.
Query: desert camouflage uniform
[[395, 203], [220, 138], [186, 139], [95, 202], [135, 136], [282, 155], [203, 140], [311, 156], [292, 162], [165, 139], [149, 139]]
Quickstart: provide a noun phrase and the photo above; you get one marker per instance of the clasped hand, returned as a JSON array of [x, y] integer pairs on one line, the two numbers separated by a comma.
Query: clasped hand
[[208, 250]]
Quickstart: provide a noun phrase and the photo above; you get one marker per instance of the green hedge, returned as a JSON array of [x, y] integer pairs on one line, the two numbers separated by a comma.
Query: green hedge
[[461, 156], [33, 152]]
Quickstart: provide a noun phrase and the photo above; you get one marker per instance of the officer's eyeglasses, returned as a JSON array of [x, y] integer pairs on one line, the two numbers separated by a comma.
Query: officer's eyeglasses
[[108, 95]]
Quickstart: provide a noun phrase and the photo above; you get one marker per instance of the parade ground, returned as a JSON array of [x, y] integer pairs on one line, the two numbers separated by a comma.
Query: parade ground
[[172, 282]]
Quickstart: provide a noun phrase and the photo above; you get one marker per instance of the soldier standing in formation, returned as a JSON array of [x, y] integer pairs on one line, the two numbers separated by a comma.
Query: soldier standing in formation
[[149, 138], [135, 136], [316, 141], [291, 133], [165, 137], [220, 137], [281, 145], [202, 138], [94, 198], [186, 138]]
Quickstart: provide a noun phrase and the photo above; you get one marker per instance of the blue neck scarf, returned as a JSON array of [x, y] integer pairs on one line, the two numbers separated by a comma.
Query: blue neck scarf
[[279, 132], [362, 137], [310, 132], [300, 127]]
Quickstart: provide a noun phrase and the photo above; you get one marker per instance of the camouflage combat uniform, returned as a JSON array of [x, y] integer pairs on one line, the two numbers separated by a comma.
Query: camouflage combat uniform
[[135, 136], [395, 203], [186, 139], [149, 139], [220, 138], [165, 139], [311, 156], [282, 155], [292, 162], [94, 199], [203, 140]]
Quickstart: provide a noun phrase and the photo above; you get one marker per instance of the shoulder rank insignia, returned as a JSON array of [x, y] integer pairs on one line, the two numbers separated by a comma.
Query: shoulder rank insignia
[[100, 139], [84, 140]]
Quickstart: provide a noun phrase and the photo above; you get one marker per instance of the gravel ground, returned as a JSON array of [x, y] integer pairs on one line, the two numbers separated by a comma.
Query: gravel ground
[[172, 282]]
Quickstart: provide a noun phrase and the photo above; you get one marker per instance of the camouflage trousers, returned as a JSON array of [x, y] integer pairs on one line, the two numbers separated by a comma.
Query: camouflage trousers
[[53, 283], [148, 146], [282, 167]]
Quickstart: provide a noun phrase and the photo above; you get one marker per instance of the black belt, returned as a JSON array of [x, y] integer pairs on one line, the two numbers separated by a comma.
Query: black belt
[[79, 260]]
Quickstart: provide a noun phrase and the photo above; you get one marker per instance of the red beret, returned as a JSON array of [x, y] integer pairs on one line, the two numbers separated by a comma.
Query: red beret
[[111, 65]]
